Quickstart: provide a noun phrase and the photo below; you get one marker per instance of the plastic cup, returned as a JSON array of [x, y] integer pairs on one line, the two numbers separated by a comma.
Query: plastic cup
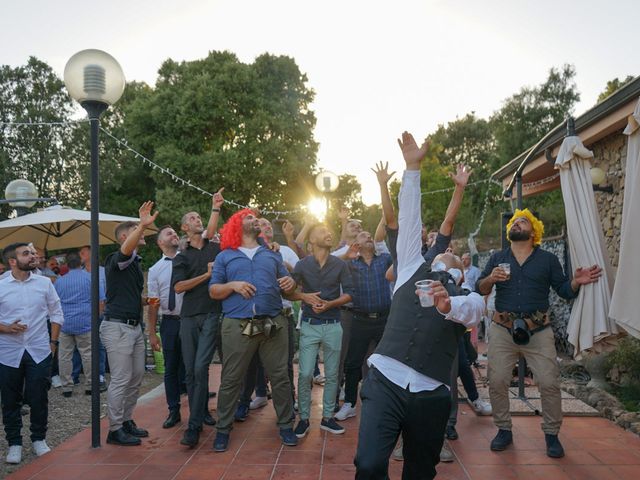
[[506, 267], [423, 290], [153, 301]]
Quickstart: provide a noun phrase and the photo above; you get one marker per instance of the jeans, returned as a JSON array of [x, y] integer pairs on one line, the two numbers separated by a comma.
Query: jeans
[[29, 383], [172, 351], [198, 338], [388, 411]]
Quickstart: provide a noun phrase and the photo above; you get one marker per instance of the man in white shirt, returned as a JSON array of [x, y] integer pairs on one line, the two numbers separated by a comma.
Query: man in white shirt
[[471, 272], [407, 387], [164, 299], [26, 300]]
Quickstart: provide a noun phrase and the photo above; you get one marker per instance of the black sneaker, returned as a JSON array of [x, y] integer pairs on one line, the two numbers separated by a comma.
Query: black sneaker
[[289, 438], [554, 447], [302, 428], [451, 433], [242, 412], [191, 437], [502, 440], [221, 442], [208, 419], [331, 426], [120, 437], [132, 429]]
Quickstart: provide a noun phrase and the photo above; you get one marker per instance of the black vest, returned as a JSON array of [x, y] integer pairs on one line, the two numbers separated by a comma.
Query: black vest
[[420, 337]]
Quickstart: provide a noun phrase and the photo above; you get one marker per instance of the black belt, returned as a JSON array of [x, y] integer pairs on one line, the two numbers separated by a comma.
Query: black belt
[[320, 321], [372, 315], [132, 322], [171, 317], [259, 317]]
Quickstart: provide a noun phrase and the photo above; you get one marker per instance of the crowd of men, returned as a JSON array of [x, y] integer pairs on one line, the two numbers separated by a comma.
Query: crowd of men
[[390, 308]]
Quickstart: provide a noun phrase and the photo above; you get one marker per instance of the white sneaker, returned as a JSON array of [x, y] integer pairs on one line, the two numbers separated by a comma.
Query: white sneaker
[[15, 454], [56, 382], [397, 454], [319, 380], [341, 396], [481, 407], [446, 455], [40, 447], [258, 402], [346, 411]]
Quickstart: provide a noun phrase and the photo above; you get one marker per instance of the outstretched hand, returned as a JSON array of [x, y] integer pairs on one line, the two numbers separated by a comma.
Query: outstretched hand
[[287, 229], [584, 276], [217, 199], [410, 151], [461, 177], [146, 218], [382, 173]]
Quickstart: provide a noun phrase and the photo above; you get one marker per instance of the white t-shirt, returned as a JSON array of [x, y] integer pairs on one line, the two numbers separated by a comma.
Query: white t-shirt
[[249, 252]]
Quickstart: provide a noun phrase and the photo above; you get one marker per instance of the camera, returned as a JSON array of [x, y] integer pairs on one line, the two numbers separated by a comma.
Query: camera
[[520, 332]]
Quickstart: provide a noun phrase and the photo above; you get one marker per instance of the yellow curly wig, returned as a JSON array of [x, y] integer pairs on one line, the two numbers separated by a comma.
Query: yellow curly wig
[[537, 227]]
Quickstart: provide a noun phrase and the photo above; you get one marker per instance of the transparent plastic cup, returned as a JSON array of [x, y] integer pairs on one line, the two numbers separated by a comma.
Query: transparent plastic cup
[[506, 267], [423, 289]]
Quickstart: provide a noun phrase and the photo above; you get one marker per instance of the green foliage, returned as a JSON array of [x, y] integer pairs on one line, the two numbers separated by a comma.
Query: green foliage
[[626, 357], [613, 85]]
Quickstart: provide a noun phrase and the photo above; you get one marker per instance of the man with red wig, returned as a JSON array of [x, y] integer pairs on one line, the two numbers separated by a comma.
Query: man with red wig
[[249, 278]]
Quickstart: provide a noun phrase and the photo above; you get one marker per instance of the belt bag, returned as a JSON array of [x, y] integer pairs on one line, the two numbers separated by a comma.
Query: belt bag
[[258, 326], [522, 326]]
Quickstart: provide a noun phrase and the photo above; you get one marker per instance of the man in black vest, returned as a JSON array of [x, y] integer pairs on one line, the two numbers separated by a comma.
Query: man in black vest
[[407, 387]]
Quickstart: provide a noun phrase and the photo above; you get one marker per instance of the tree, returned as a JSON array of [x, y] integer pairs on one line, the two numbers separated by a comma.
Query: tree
[[219, 122], [613, 85]]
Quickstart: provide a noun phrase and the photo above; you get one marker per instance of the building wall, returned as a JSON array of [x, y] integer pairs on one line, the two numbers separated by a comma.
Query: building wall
[[610, 154]]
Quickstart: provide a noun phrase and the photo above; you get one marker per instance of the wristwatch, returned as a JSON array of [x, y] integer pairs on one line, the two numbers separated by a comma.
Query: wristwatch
[[55, 342], [215, 210]]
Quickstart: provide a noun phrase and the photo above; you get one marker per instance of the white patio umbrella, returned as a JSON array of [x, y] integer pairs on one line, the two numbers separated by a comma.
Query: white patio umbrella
[[625, 306], [590, 329], [58, 227]]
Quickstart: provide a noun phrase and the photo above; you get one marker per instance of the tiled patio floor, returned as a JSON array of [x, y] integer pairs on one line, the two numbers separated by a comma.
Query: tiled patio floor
[[595, 447]]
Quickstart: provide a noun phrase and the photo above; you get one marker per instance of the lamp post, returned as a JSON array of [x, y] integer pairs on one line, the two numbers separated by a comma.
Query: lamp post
[[327, 182], [22, 195], [95, 79]]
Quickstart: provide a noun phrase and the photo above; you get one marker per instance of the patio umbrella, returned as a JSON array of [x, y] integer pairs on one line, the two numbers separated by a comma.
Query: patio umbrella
[[625, 306], [590, 329], [59, 227]]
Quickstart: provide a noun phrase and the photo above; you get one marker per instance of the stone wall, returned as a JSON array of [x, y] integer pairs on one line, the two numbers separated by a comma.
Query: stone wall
[[610, 154]]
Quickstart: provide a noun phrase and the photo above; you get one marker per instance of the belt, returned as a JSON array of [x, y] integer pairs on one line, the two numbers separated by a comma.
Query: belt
[[373, 315], [535, 321], [171, 317], [320, 321], [133, 322], [258, 317]]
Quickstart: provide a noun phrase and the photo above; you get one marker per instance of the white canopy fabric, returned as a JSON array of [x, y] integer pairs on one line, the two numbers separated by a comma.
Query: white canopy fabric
[[59, 227], [625, 305], [589, 329]]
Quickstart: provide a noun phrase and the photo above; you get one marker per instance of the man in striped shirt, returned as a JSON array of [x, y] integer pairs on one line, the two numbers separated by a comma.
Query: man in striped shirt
[[74, 290]]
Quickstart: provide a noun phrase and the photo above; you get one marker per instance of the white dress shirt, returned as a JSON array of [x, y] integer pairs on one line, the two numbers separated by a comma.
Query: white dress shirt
[[158, 284], [466, 310], [31, 302]]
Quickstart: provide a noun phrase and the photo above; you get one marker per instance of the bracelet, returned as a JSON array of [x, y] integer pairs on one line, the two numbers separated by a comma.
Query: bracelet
[[216, 210], [55, 342]]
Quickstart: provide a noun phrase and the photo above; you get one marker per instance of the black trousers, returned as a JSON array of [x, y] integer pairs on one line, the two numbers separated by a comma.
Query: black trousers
[[32, 380], [364, 330], [388, 411], [173, 363]]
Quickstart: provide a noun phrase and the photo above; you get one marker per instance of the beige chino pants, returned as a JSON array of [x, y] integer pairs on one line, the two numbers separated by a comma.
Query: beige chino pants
[[65, 358]]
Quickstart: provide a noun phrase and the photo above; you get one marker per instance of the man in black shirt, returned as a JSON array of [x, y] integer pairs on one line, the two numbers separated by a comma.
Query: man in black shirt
[[522, 275], [199, 315], [121, 331]]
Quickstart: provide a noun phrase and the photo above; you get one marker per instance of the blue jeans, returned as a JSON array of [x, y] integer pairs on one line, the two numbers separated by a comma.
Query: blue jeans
[[29, 383], [172, 351]]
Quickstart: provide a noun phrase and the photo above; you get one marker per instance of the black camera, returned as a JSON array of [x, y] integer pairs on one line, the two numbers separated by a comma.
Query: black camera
[[520, 332]]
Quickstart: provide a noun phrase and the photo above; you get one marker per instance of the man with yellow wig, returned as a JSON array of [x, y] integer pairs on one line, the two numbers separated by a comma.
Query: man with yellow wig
[[522, 275]]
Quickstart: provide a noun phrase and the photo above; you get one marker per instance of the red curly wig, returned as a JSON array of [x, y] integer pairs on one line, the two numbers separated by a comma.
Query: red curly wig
[[231, 233]]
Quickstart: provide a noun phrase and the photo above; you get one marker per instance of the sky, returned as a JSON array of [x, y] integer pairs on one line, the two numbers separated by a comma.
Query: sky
[[377, 67]]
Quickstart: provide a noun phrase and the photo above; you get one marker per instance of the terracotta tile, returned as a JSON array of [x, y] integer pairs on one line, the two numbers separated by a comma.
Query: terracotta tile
[[482, 457], [171, 457], [125, 457], [617, 457], [491, 472], [540, 472], [590, 472], [64, 472], [199, 472], [248, 472], [87, 456], [295, 456], [209, 457], [339, 456], [256, 457], [297, 472], [338, 472], [154, 472], [450, 471], [24, 472], [626, 472]]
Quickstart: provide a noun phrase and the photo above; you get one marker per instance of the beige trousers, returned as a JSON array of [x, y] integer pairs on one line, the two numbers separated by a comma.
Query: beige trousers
[[125, 350], [65, 358], [540, 354]]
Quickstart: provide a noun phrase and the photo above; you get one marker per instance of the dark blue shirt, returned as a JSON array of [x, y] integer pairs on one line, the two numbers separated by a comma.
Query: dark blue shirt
[[371, 291], [527, 290], [262, 272], [327, 280]]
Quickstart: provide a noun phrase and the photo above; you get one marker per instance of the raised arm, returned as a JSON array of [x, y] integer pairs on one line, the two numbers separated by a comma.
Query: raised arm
[[460, 179], [146, 219], [343, 215], [383, 177], [216, 204]]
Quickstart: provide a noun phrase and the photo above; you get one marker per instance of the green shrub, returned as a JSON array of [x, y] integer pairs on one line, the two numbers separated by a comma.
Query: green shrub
[[626, 357]]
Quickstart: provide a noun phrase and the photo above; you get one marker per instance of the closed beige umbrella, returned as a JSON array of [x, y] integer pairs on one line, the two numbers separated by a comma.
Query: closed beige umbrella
[[58, 227], [625, 304], [590, 329]]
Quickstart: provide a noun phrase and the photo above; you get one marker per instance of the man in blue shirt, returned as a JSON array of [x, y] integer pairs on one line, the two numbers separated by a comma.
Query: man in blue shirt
[[522, 275], [74, 290], [249, 278]]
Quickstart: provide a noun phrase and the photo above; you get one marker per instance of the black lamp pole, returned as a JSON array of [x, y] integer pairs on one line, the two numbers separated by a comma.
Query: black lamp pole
[[95, 109]]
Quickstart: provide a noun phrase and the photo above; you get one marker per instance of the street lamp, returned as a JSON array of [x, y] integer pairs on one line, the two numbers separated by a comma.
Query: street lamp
[[95, 79], [327, 182], [22, 195]]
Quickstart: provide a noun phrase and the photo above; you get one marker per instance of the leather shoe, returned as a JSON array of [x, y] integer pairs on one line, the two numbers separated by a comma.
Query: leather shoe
[[120, 437], [221, 442], [554, 447], [172, 420], [502, 440], [209, 420], [451, 433], [191, 437], [132, 429]]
